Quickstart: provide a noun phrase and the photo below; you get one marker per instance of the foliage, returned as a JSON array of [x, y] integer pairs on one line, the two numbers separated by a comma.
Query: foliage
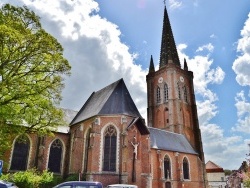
[[30, 179], [72, 177], [246, 183], [227, 172], [32, 68]]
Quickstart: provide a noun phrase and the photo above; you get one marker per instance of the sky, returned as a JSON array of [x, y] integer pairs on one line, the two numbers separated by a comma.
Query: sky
[[112, 39]]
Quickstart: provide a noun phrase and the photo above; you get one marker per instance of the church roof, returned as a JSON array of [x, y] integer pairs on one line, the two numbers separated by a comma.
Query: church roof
[[112, 99], [165, 140], [141, 126]]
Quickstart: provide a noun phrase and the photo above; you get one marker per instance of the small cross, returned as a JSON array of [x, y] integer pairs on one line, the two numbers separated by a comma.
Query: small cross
[[164, 1]]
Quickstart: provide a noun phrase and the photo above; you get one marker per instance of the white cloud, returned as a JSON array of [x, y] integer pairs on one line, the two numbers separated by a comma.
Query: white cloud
[[203, 76], [217, 146], [213, 36], [243, 113], [241, 65], [208, 47], [203, 73], [93, 47], [174, 4]]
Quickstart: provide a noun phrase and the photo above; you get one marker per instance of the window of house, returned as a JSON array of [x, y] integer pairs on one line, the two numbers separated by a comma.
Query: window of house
[[55, 156], [110, 143], [185, 169], [20, 153], [158, 95], [165, 92], [167, 168]]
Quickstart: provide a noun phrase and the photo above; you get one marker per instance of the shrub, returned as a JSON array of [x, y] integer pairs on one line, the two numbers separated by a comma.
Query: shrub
[[30, 178]]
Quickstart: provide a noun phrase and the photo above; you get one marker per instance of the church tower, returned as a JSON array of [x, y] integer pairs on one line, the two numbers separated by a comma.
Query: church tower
[[171, 99]]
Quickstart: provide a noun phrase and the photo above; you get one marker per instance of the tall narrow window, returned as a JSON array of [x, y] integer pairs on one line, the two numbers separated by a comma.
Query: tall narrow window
[[167, 168], [185, 94], [86, 149], [20, 155], [110, 142], [185, 169], [166, 116], [179, 91], [165, 92], [158, 95], [55, 157]]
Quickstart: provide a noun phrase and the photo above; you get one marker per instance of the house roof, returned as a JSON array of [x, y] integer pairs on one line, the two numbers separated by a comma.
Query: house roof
[[165, 140], [212, 167], [112, 99]]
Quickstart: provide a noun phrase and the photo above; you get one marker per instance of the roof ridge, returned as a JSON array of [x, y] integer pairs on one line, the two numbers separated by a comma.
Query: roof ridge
[[214, 164], [112, 84]]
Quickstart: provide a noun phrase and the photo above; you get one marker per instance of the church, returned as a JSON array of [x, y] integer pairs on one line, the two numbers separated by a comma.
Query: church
[[109, 141]]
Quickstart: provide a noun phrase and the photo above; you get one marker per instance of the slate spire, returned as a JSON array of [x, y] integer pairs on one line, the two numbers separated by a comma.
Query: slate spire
[[151, 65], [168, 47], [185, 64]]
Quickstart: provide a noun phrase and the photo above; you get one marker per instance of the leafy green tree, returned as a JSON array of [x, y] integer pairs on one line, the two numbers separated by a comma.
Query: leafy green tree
[[227, 172], [32, 68]]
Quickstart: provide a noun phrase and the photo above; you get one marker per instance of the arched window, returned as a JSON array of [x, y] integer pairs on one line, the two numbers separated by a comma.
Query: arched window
[[158, 95], [179, 90], [109, 149], [20, 155], [185, 169], [86, 149], [167, 168], [185, 94], [55, 156], [165, 92]]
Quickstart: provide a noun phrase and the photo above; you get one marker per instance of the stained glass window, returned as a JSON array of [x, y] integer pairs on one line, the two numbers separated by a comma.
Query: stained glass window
[[20, 153], [109, 160], [55, 156], [185, 168], [167, 168]]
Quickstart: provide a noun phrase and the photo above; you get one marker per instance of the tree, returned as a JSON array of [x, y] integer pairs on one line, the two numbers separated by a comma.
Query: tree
[[32, 68]]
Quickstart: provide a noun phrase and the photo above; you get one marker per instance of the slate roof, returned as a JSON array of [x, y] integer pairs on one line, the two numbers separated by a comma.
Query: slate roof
[[165, 140], [141, 126], [112, 99]]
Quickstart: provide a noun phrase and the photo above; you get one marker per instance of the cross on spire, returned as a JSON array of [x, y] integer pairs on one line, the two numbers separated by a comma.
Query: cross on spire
[[164, 1]]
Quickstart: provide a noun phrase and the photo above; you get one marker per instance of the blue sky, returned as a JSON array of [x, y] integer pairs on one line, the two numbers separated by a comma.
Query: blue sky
[[107, 40]]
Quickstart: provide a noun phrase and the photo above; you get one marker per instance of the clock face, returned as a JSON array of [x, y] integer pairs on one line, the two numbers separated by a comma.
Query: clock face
[[160, 80], [181, 79]]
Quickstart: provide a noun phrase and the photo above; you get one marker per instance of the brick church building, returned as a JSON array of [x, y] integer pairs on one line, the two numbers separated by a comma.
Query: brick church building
[[109, 141]]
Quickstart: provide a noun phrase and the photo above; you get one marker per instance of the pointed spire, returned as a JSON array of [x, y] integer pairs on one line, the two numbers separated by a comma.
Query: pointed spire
[[168, 48], [151, 65], [185, 64]]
